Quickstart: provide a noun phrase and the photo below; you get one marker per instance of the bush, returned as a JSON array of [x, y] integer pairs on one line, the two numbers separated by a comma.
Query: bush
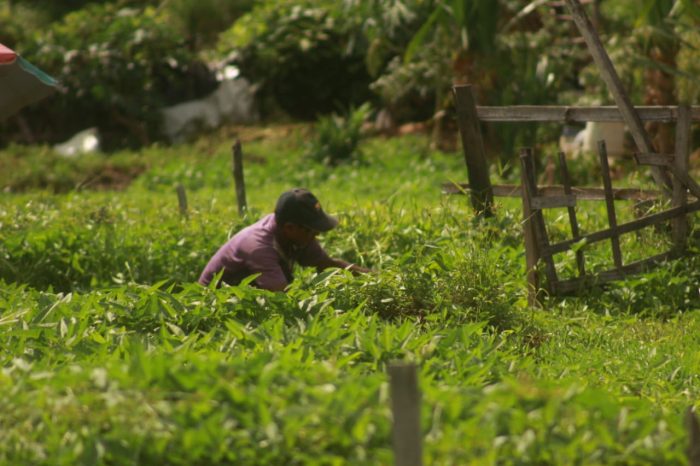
[[201, 21], [119, 66], [303, 56], [337, 137]]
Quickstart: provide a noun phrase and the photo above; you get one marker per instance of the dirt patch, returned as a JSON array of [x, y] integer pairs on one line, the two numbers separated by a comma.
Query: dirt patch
[[111, 177]]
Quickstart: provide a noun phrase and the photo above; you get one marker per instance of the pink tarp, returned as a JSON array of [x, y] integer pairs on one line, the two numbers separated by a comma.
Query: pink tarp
[[21, 83], [7, 55]]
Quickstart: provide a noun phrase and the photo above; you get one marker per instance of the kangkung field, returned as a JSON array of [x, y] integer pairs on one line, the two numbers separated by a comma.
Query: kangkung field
[[112, 354]]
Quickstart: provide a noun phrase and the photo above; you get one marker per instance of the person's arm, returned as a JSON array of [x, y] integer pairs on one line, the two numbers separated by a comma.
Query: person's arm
[[342, 264], [315, 256]]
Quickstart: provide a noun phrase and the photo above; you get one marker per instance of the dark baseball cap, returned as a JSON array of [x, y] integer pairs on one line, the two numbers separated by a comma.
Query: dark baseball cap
[[300, 207]]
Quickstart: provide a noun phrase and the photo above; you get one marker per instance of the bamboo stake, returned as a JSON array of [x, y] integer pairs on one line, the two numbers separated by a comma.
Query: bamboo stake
[[182, 199], [405, 408], [238, 177]]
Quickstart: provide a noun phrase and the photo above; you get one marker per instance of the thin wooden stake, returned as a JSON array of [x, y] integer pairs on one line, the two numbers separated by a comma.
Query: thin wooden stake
[[473, 148], [693, 451], [181, 199], [680, 197], [566, 181], [527, 161], [614, 84], [610, 204], [532, 255], [238, 178], [405, 408]]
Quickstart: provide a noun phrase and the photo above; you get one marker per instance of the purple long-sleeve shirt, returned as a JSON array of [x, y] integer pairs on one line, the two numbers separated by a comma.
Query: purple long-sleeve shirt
[[256, 250]]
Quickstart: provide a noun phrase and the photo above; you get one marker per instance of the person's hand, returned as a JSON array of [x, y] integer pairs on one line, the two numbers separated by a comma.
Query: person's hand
[[354, 268]]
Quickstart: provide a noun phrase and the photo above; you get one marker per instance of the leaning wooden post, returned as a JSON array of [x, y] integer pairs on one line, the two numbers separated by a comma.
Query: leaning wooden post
[[405, 408], [532, 249], [610, 204], [181, 199], [238, 177], [539, 229], [680, 160], [473, 148], [693, 451], [614, 84]]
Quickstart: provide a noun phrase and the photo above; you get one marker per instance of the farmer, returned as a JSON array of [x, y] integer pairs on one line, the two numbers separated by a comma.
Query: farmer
[[275, 243]]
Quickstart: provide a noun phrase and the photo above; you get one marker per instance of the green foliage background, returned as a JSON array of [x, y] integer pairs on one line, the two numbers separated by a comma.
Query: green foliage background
[[122, 60]]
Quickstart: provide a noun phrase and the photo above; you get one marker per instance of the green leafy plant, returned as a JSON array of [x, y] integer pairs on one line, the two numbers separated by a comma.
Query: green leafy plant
[[303, 55], [338, 137], [111, 354], [119, 66]]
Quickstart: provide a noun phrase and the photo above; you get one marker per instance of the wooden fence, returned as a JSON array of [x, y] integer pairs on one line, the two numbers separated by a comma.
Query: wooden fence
[[673, 167]]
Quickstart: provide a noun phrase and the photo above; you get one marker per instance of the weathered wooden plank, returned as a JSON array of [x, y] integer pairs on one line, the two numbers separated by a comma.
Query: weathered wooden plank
[[576, 114], [659, 160], [405, 409], [575, 233], [527, 162], [609, 204], [473, 148], [614, 84], [680, 197], [553, 202], [578, 284], [581, 194], [623, 228], [636, 267]]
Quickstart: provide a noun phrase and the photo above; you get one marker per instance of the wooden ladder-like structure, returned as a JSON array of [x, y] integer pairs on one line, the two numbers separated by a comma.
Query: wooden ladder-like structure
[[670, 172], [539, 249]]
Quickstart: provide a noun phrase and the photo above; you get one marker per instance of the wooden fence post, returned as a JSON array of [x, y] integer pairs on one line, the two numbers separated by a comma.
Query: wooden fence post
[[610, 204], [680, 198], [238, 177], [573, 221], [405, 408], [539, 229], [181, 199], [693, 451], [532, 250], [473, 148], [614, 84]]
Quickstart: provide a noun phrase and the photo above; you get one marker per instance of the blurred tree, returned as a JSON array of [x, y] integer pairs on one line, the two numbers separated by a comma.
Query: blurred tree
[[119, 66], [54, 9], [201, 21], [303, 55], [660, 25]]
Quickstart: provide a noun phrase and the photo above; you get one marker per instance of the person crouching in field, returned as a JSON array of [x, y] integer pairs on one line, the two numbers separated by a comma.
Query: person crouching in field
[[275, 243]]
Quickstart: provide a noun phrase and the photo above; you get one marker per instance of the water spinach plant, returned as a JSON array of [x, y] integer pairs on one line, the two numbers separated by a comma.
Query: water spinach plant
[[111, 354]]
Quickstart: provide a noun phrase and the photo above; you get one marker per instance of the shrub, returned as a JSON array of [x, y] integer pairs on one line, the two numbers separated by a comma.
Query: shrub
[[337, 137], [119, 66], [302, 55]]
